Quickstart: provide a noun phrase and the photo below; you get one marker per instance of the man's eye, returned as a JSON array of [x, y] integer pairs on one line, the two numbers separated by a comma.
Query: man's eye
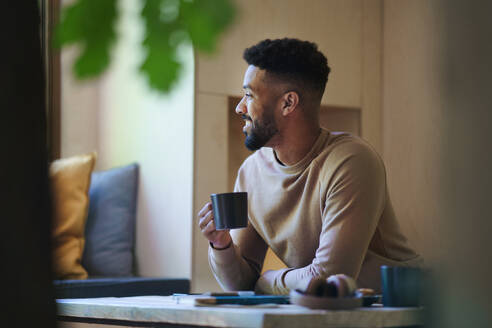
[[248, 95]]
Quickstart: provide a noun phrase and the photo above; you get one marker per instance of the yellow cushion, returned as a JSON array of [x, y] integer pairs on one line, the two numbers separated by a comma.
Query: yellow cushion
[[70, 182]]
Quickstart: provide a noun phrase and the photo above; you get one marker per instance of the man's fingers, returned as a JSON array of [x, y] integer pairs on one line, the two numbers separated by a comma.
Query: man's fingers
[[206, 223], [208, 217], [207, 207], [209, 228]]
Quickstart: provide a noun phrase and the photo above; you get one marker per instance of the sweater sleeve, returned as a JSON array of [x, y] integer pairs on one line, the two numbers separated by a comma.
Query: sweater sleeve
[[354, 202], [238, 266]]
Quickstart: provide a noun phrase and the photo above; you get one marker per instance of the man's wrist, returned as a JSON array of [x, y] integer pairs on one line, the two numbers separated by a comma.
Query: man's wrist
[[221, 248], [223, 242]]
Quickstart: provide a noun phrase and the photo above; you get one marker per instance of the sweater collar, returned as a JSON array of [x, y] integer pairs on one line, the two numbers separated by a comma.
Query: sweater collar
[[306, 160]]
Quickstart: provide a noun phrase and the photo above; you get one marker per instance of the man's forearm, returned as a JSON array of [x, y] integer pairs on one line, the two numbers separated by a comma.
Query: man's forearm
[[283, 280], [272, 282], [231, 271]]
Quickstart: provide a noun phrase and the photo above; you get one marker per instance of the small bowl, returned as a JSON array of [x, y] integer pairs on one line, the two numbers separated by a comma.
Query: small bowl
[[328, 303]]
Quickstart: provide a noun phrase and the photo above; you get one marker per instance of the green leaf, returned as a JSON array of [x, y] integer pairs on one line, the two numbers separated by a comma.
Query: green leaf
[[91, 24], [205, 20], [161, 70], [160, 65], [92, 61]]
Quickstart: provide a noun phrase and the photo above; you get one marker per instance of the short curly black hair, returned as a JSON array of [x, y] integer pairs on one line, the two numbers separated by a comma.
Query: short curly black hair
[[299, 62]]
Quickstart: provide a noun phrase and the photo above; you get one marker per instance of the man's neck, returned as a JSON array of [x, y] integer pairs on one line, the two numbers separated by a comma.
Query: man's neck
[[296, 144]]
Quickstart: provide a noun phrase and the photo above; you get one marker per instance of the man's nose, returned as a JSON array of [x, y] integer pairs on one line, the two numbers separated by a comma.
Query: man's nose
[[241, 107]]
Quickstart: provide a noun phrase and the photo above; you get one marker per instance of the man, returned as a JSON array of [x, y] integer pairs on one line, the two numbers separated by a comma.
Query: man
[[318, 199]]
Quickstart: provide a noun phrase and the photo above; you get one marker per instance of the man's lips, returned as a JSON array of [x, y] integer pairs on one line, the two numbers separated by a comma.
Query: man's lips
[[247, 122]]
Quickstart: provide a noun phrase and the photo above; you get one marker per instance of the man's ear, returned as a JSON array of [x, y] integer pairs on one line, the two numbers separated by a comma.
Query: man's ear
[[290, 101]]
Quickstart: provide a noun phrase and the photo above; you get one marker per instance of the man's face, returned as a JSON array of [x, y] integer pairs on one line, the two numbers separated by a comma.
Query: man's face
[[257, 108]]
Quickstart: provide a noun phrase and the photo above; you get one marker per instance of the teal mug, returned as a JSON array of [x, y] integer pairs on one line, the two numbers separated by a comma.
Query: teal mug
[[401, 286]]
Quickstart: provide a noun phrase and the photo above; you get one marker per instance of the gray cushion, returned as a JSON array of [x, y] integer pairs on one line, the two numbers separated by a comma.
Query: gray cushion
[[110, 227]]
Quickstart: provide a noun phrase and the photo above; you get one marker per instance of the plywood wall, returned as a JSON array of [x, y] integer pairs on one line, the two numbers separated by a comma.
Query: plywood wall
[[413, 118]]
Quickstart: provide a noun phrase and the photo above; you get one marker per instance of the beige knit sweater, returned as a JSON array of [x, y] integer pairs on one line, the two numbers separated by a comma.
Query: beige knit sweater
[[329, 213]]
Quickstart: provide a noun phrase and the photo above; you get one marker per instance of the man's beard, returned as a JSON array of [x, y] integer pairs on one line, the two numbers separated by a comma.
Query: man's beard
[[261, 131]]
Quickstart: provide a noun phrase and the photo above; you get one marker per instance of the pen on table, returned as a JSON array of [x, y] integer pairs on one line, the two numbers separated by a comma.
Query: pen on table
[[243, 300], [237, 293]]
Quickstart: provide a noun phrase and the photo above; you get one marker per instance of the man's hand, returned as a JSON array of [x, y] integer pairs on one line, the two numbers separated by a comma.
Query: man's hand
[[220, 239]]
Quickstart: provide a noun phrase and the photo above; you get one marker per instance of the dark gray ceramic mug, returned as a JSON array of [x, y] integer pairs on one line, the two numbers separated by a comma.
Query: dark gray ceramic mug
[[230, 210], [401, 286]]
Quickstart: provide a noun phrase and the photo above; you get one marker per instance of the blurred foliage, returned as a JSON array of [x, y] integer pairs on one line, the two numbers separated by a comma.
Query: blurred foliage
[[168, 23]]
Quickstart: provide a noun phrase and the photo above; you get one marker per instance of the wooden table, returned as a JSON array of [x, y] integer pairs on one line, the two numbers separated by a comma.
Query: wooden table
[[162, 311]]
